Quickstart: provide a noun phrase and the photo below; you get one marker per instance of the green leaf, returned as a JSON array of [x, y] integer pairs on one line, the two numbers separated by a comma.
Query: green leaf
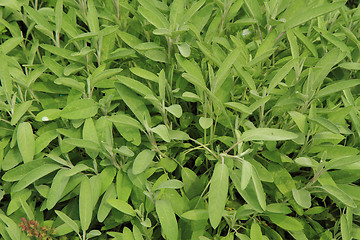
[[178, 135], [162, 85], [125, 120], [350, 66], [92, 17], [144, 74], [162, 131], [20, 171], [123, 186], [19, 111], [58, 15], [26, 208], [205, 123], [44, 140], [306, 42], [249, 194], [123, 150], [122, 206], [85, 204], [80, 109], [142, 161], [135, 86], [53, 66], [307, 14], [34, 175], [224, 69], [325, 124], [173, 183], [246, 173], [184, 49], [90, 134], [26, 142], [334, 40], [167, 219], [57, 188], [218, 193], [175, 110], [5, 78], [255, 231], [337, 87], [71, 223], [81, 143], [340, 195], [176, 14], [69, 82], [302, 197], [281, 74], [238, 107], [282, 178], [12, 228], [267, 134], [300, 120], [342, 161], [39, 19], [345, 228], [135, 103], [61, 52], [191, 68], [105, 207], [48, 115], [196, 214], [12, 158], [285, 222], [156, 55], [260, 194]]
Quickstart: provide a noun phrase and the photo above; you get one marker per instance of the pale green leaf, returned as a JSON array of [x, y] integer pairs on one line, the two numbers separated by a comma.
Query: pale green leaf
[[19, 111], [26, 141], [80, 109], [340, 195], [218, 193], [71, 223], [142, 161], [85, 204], [175, 110], [34, 175], [162, 131], [267, 134], [173, 183], [286, 222], [196, 214], [167, 219], [205, 123], [122, 206], [302, 197]]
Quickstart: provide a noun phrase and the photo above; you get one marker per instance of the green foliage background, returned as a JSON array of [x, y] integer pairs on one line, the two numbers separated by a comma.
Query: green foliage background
[[184, 119]]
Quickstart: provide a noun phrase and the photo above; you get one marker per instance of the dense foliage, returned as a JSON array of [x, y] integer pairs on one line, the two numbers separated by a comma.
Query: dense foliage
[[184, 119]]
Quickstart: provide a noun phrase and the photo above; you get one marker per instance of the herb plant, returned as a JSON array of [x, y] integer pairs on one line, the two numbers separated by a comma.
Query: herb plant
[[183, 119]]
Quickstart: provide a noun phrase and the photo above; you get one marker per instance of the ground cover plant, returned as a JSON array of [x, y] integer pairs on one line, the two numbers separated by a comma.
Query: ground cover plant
[[208, 119]]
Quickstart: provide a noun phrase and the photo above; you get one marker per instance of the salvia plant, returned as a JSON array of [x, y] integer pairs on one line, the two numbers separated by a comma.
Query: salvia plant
[[183, 119]]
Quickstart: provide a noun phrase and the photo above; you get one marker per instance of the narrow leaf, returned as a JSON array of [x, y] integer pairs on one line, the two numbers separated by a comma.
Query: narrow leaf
[[122, 206], [218, 193], [167, 219], [85, 204], [34, 175], [267, 134], [26, 141], [71, 223]]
